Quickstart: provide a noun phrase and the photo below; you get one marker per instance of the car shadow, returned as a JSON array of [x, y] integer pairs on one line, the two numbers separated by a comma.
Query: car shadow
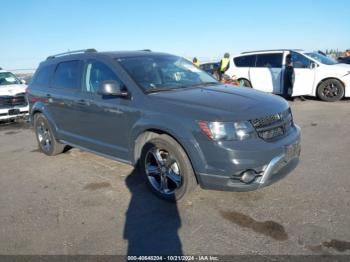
[[19, 124], [151, 224]]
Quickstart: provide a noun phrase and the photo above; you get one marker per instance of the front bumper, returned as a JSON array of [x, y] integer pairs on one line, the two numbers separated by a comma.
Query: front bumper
[[277, 167], [13, 112]]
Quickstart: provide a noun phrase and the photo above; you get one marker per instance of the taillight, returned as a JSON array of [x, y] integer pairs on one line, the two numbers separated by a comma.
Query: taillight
[[34, 99]]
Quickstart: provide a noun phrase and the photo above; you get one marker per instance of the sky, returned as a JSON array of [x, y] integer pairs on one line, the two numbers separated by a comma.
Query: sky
[[34, 29]]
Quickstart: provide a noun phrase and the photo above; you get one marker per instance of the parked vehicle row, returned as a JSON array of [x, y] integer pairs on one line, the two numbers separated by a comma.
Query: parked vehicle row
[[159, 112], [344, 60], [315, 74], [13, 102], [210, 67]]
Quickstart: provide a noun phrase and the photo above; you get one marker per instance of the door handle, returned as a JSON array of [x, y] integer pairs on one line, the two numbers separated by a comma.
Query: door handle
[[48, 98], [82, 102]]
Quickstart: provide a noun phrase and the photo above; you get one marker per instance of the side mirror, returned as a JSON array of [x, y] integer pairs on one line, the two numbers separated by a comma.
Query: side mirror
[[313, 65], [111, 88], [23, 81]]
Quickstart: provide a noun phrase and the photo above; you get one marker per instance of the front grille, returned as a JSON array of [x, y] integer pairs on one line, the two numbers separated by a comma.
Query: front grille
[[11, 101], [273, 126]]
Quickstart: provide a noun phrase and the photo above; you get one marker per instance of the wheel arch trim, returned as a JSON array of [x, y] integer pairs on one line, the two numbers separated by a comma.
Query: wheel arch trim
[[39, 107], [243, 78], [146, 132]]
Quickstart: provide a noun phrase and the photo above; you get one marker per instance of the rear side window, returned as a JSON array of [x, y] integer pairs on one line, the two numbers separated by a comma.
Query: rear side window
[[43, 76], [67, 75], [244, 61], [269, 60]]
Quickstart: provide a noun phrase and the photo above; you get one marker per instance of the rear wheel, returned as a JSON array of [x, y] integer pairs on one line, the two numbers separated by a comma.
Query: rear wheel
[[245, 83], [167, 169], [330, 90], [46, 141]]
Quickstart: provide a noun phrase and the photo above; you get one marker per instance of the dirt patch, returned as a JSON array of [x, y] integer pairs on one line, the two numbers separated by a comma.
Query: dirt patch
[[96, 186], [268, 228], [338, 245], [11, 132]]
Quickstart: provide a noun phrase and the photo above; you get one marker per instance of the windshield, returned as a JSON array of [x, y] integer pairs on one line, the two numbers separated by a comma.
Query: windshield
[[322, 59], [8, 78], [164, 72]]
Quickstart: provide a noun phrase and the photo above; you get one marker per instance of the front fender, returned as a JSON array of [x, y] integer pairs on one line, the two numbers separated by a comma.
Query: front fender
[[179, 130]]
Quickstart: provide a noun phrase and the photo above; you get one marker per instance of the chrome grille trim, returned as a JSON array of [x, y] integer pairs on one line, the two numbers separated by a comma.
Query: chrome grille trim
[[273, 126], [268, 120], [11, 101]]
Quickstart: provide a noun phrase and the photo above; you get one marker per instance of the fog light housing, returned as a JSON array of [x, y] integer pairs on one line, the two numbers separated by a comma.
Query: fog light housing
[[248, 176]]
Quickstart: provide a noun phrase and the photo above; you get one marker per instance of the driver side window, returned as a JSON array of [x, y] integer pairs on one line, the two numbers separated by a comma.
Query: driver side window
[[95, 73], [300, 61]]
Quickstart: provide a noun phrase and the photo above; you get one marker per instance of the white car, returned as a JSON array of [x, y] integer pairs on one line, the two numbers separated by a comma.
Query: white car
[[315, 74], [13, 101]]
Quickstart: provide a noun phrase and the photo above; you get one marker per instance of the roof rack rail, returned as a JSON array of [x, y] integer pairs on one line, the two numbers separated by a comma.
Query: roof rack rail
[[271, 50], [89, 50], [146, 50]]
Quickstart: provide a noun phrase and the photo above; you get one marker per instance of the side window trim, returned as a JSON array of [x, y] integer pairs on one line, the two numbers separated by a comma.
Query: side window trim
[[265, 54], [304, 57], [251, 61], [255, 58], [84, 74]]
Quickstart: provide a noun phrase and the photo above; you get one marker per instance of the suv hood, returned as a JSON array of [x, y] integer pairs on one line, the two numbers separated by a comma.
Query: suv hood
[[223, 102], [11, 90]]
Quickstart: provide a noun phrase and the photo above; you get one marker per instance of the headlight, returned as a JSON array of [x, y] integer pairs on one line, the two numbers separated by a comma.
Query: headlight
[[227, 130]]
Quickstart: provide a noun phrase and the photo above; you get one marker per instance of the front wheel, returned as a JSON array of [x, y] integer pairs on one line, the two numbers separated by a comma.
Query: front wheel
[[167, 169], [330, 90]]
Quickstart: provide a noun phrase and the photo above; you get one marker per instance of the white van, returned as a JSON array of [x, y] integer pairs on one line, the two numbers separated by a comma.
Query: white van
[[315, 74]]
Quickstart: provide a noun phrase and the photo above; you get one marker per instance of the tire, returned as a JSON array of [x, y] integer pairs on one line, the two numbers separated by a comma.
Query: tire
[[330, 90], [245, 83], [46, 141], [166, 169]]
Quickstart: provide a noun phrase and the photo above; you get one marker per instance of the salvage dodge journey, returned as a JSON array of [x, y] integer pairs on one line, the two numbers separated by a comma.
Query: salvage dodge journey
[[161, 113]]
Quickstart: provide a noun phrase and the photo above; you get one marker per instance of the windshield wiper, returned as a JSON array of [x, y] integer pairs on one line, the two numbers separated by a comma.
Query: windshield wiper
[[156, 90], [205, 84]]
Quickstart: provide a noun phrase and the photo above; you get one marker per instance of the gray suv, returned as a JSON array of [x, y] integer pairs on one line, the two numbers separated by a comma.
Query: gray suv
[[178, 124]]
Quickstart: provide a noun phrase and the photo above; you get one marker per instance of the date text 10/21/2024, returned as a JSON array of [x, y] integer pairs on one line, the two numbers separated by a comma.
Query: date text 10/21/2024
[[173, 258]]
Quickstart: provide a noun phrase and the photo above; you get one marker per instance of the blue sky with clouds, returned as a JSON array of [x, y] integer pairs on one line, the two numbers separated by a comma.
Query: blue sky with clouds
[[31, 30]]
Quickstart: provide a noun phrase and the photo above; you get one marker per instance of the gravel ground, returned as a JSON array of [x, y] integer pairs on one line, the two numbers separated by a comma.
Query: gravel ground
[[79, 203]]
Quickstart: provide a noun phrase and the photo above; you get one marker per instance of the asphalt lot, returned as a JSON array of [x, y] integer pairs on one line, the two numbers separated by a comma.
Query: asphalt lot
[[78, 203]]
